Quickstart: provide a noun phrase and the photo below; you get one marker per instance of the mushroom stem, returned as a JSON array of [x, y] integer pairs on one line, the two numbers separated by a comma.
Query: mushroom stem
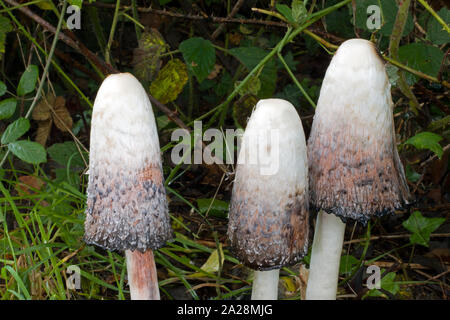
[[325, 257], [142, 277], [265, 285]]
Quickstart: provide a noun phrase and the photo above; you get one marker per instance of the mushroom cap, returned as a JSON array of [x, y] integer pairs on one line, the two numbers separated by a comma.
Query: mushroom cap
[[268, 219], [354, 167], [126, 199]]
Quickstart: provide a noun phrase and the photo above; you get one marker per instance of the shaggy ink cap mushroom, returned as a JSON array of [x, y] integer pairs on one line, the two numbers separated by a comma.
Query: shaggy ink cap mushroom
[[126, 199], [354, 168], [268, 219]]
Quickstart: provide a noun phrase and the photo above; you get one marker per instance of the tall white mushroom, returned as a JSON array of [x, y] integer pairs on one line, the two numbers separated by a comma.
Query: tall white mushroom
[[268, 219], [126, 199], [354, 168]]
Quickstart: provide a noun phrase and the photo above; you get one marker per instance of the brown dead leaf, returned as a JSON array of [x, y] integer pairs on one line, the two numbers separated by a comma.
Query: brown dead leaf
[[236, 38], [42, 112], [27, 183], [43, 131], [63, 120]]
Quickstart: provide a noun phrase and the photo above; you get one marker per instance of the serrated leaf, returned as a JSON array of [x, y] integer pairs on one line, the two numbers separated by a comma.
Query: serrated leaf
[[427, 140], [285, 12], [7, 108], [422, 57], [250, 57], [200, 56], [64, 152], [147, 57], [43, 131], [436, 32], [2, 88], [28, 80], [170, 81], [28, 151], [5, 27], [421, 227], [15, 130], [217, 208]]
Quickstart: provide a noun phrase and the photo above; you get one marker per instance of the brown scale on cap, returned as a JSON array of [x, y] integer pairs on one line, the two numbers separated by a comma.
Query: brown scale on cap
[[127, 210], [276, 234]]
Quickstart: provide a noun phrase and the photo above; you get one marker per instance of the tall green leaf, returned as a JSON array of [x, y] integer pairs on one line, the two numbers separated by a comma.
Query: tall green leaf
[[427, 140], [28, 151], [7, 108], [28, 80], [15, 130]]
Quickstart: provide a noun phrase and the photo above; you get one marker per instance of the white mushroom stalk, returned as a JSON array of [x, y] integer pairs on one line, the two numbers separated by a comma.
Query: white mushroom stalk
[[354, 168], [126, 199], [268, 220]]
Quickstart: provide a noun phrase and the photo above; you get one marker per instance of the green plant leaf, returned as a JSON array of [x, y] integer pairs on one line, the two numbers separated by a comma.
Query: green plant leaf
[[2, 88], [218, 208], [427, 140], [250, 57], [348, 262], [422, 57], [200, 56], [411, 175], [299, 12], [421, 227], [388, 283], [64, 152], [5, 27], [28, 151], [7, 108], [15, 130], [28, 80], [436, 33], [285, 12]]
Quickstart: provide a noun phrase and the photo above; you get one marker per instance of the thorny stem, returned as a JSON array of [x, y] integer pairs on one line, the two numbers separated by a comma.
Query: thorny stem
[[44, 74]]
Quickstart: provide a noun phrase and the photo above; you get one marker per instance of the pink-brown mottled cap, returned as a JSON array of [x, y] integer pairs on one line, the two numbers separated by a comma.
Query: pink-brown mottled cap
[[354, 168], [268, 219], [126, 199]]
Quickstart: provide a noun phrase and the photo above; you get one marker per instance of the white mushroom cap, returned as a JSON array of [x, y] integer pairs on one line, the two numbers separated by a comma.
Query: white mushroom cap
[[355, 170], [127, 205], [268, 220]]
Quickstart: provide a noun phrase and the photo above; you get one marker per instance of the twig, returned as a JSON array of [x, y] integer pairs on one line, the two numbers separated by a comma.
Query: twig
[[233, 12], [395, 236], [192, 17]]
